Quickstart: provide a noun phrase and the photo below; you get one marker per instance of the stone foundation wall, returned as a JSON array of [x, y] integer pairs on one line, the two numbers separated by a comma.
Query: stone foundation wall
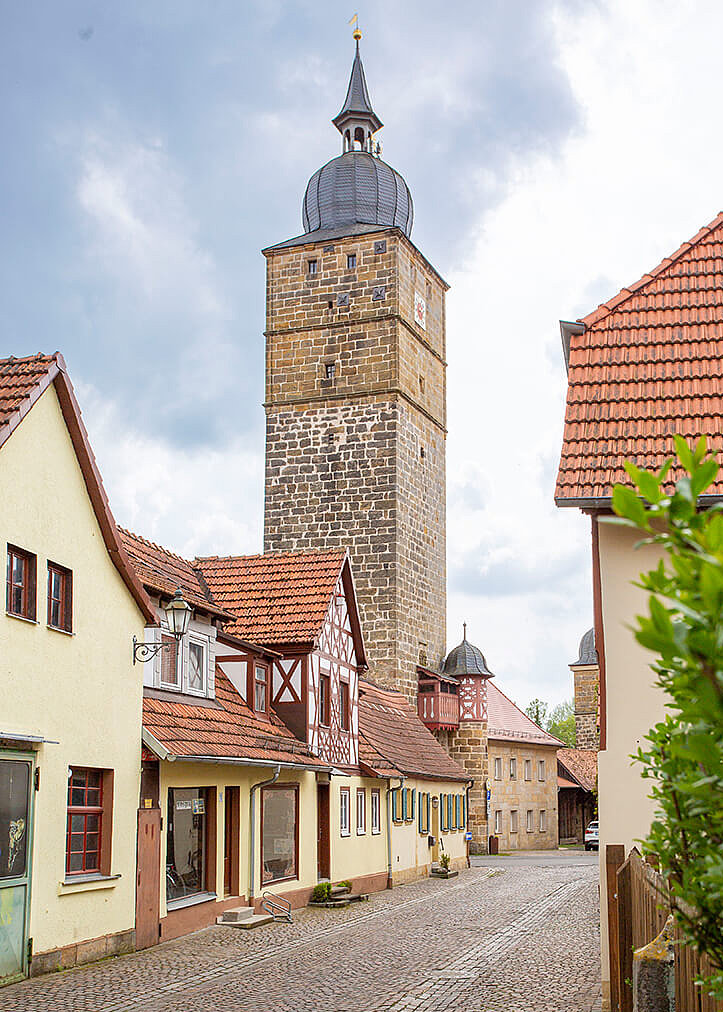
[[469, 746]]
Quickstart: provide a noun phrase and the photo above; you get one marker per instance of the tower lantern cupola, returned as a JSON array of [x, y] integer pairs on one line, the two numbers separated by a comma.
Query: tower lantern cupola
[[357, 122]]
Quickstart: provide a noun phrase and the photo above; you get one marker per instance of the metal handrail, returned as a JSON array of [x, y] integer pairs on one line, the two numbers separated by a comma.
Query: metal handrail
[[277, 906]]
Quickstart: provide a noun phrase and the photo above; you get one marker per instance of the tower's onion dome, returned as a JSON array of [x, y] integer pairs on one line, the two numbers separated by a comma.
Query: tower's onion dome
[[588, 653], [357, 188], [466, 659]]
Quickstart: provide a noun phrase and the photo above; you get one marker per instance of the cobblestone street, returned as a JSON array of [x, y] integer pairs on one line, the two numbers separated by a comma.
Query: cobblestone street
[[516, 936]]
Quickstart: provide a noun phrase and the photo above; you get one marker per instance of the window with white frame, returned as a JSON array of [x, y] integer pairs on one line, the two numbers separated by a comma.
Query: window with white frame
[[513, 769], [376, 812], [543, 821], [498, 768], [344, 813], [196, 667], [541, 769], [530, 821], [513, 821], [528, 769], [498, 822], [361, 811]]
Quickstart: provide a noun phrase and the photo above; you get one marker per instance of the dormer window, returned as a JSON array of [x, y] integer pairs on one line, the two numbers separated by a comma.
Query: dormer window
[[170, 668], [261, 675], [196, 667]]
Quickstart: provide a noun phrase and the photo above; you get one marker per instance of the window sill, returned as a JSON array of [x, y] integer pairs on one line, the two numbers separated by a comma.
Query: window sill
[[189, 901], [275, 881], [22, 618], [86, 884], [63, 632]]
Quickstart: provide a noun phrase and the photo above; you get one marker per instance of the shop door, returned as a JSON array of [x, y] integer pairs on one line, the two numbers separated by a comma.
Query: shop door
[[148, 877], [231, 842], [16, 807], [323, 841]]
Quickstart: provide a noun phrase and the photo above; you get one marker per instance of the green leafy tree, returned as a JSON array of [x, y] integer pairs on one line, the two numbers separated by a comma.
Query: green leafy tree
[[683, 755], [561, 722], [537, 710]]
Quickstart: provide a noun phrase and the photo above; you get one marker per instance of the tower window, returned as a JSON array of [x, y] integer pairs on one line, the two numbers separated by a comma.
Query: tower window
[[350, 261], [421, 384], [421, 453], [330, 369], [313, 266]]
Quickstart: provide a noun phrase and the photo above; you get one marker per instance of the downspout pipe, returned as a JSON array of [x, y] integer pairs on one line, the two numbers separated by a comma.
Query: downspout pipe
[[389, 827], [262, 783]]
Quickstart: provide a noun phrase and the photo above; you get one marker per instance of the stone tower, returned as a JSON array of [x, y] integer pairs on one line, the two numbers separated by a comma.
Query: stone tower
[[586, 673], [356, 396]]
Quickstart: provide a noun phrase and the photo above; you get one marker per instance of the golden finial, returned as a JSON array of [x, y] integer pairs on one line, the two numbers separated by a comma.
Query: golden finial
[[356, 34]]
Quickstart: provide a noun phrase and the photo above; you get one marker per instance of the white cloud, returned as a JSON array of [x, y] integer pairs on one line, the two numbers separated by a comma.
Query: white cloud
[[641, 178]]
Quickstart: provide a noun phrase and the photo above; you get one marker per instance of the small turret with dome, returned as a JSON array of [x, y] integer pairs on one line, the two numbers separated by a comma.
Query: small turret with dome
[[467, 664], [357, 187]]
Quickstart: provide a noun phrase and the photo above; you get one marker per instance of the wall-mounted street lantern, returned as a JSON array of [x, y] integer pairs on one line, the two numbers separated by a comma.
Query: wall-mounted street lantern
[[178, 614]]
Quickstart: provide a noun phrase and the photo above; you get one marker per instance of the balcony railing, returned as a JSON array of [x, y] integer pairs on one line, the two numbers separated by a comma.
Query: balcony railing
[[437, 708]]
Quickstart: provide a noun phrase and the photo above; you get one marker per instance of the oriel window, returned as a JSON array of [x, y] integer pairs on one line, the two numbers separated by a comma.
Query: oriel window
[[60, 597]]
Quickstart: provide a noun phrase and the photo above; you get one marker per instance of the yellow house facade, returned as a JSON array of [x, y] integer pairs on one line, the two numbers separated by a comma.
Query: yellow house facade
[[69, 775]]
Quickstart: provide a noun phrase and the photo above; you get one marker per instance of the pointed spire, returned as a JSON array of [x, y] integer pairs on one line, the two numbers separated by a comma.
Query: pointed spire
[[464, 628], [357, 121]]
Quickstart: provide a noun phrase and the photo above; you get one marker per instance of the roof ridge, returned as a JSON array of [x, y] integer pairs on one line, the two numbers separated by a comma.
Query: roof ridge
[[37, 357], [153, 544], [605, 308], [331, 552], [527, 717]]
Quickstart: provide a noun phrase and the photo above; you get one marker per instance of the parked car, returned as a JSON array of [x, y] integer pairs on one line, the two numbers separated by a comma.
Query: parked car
[[592, 836]]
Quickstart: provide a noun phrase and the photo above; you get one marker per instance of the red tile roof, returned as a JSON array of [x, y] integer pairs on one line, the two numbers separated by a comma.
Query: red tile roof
[[229, 730], [507, 722], [580, 764], [163, 571], [275, 598], [394, 741], [22, 383], [648, 365]]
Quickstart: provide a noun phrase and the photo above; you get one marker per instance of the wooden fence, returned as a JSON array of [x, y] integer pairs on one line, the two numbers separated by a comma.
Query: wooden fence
[[638, 907]]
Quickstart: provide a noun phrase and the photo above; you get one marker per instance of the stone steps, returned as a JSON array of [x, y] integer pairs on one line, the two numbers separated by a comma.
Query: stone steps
[[244, 918]]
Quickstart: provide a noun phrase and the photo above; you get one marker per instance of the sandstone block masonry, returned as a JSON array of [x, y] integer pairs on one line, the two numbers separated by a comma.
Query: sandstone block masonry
[[355, 431], [587, 680], [469, 746]]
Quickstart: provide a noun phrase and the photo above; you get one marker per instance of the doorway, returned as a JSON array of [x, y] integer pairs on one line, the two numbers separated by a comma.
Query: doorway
[[435, 828], [231, 842], [323, 839], [16, 824]]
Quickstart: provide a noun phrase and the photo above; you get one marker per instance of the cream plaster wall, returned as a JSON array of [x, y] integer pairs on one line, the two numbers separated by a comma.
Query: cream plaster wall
[[633, 704], [522, 795], [80, 690], [219, 776], [359, 853]]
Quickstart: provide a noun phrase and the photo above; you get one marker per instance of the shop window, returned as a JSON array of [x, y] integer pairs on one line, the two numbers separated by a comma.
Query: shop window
[[325, 700], [528, 769], [541, 770], [344, 814], [186, 842], [376, 812], [60, 597], [513, 769], [514, 820], [261, 688], [20, 593], [89, 810], [498, 769], [361, 811], [14, 815], [280, 833], [344, 705]]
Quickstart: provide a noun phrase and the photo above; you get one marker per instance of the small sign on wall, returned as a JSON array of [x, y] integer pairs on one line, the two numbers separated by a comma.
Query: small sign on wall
[[420, 310], [468, 835], [199, 806]]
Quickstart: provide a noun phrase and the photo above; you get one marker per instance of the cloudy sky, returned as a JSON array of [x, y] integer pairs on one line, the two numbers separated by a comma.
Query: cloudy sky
[[555, 152]]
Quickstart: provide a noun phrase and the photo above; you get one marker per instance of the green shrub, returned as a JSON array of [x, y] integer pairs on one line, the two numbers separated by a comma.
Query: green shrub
[[321, 892]]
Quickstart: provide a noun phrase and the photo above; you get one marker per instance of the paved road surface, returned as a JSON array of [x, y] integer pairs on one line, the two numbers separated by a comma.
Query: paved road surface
[[518, 935]]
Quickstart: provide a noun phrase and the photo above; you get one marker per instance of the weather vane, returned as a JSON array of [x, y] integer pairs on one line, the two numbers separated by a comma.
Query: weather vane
[[357, 31]]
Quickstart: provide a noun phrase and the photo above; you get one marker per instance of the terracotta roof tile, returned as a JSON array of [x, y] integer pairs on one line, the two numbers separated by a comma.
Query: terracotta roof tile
[[648, 365], [394, 741], [163, 571], [20, 378], [580, 764], [275, 598], [230, 730], [507, 722]]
